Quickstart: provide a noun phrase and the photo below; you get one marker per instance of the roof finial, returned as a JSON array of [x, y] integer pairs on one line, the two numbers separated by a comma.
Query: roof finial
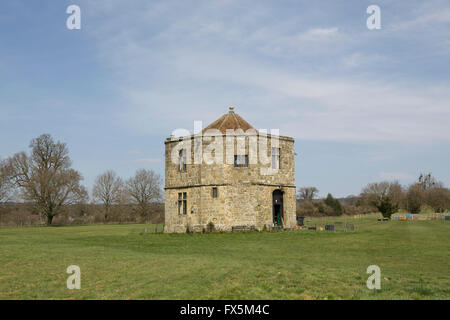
[[231, 109]]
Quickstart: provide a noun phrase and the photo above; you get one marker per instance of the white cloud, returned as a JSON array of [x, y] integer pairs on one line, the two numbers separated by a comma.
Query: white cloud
[[192, 66], [322, 32], [392, 176], [424, 20], [307, 37], [358, 59], [328, 108], [148, 160]]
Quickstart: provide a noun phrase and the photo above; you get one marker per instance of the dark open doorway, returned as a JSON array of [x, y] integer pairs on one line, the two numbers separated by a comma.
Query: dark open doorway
[[278, 218]]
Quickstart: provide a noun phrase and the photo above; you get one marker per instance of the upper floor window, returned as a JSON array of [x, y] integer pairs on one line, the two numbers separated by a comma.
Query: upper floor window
[[182, 160], [241, 161], [214, 192], [275, 158]]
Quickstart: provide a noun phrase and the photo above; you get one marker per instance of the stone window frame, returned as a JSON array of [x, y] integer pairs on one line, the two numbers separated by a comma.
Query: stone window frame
[[276, 158], [241, 165], [215, 192], [182, 202]]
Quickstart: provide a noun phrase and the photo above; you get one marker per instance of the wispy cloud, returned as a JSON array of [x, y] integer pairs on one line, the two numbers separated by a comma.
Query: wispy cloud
[[320, 32], [318, 107], [195, 65], [359, 59], [148, 161], [311, 69], [393, 176], [424, 20]]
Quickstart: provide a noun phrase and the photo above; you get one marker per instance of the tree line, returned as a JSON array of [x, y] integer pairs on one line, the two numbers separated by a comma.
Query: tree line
[[42, 183], [386, 197], [46, 184]]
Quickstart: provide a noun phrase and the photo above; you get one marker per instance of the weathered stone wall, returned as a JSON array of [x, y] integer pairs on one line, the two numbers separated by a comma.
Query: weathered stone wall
[[244, 194]]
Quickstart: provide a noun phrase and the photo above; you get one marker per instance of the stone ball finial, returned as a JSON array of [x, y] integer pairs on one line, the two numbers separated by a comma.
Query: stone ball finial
[[231, 109]]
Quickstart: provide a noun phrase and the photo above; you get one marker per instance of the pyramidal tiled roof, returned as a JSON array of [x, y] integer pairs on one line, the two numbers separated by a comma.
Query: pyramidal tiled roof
[[230, 120]]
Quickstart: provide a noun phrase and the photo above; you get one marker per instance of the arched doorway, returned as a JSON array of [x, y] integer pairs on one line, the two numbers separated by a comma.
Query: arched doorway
[[277, 205]]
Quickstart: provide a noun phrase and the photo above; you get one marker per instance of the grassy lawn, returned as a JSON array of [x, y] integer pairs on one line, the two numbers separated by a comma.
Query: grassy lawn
[[116, 263]]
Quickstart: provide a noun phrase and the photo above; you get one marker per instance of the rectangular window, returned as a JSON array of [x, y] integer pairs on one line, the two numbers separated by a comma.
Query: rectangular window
[[182, 160], [275, 158], [241, 161], [214, 192], [182, 203]]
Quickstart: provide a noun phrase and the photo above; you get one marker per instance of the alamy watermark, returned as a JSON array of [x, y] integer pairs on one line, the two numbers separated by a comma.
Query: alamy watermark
[[374, 20], [74, 20], [74, 280], [238, 147], [374, 281]]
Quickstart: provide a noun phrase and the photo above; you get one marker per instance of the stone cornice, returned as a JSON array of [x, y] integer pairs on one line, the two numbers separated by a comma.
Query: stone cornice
[[178, 139], [230, 184]]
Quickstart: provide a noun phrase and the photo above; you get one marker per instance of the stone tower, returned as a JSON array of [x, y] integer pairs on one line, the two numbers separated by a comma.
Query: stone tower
[[231, 175]]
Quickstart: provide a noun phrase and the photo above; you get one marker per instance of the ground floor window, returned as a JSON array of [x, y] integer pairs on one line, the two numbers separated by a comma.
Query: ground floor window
[[182, 203], [214, 192]]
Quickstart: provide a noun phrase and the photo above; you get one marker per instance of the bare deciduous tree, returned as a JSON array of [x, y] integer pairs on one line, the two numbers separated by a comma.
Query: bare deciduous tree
[[144, 188], [427, 181], [307, 193], [438, 199], [5, 182], [108, 189], [385, 196], [415, 198], [45, 177]]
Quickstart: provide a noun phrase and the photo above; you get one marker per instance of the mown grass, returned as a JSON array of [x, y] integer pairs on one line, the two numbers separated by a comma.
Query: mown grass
[[119, 263]]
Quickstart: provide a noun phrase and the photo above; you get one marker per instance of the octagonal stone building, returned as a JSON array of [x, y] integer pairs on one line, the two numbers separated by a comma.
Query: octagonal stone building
[[229, 176]]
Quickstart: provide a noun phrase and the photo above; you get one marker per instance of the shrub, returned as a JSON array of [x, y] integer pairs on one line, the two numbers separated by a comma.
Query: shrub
[[426, 209], [414, 198], [438, 199], [334, 204], [307, 208], [320, 206], [356, 210], [385, 196]]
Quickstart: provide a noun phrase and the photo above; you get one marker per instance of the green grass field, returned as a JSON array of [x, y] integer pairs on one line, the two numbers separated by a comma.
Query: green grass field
[[116, 263]]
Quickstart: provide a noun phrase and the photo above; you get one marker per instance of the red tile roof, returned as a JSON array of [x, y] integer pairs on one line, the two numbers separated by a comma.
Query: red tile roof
[[230, 120]]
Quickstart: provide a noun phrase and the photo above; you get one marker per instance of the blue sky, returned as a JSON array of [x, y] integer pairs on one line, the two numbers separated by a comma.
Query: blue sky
[[363, 105]]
